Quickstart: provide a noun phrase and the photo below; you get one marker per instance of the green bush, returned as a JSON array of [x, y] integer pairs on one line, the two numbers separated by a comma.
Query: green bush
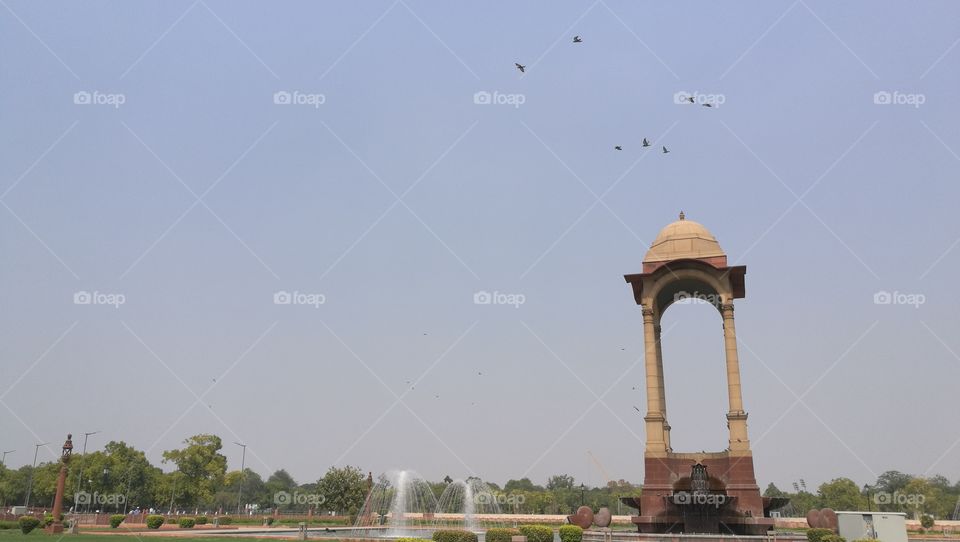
[[201, 520], [28, 523], [154, 522], [571, 533], [817, 535], [454, 535], [116, 520], [226, 520], [833, 538], [187, 523], [6, 524], [501, 535], [404, 539], [926, 521], [269, 521], [537, 533]]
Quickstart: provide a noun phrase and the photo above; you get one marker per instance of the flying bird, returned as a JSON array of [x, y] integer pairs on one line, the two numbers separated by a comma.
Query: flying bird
[[520, 67], [645, 143], [618, 147], [635, 408], [691, 99], [665, 150], [707, 104], [576, 39]]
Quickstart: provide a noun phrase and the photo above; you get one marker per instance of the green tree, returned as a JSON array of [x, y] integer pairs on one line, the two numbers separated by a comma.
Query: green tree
[[560, 481], [841, 494], [343, 489], [202, 467]]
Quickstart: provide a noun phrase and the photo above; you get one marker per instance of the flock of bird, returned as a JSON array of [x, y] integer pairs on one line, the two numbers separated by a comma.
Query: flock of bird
[[645, 143]]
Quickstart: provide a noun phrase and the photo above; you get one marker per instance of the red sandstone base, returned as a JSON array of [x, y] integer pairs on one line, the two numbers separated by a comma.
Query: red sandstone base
[[730, 476]]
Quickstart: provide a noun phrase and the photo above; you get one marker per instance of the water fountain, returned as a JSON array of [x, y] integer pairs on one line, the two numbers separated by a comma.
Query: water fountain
[[400, 504], [464, 504]]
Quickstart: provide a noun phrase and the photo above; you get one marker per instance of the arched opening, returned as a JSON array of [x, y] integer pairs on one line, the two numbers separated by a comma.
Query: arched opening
[[694, 368]]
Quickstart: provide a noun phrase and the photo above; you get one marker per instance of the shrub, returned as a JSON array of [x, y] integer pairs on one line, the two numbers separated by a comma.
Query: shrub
[[817, 535], [405, 539], [501, 535], [537, 533], [28, 523], [833, 538], [269, 520], [926, 521], [6, 524], [187, 523], [571, 533], [201, 520], [226, 520], [116, 520], [454, 535], [154, 522]]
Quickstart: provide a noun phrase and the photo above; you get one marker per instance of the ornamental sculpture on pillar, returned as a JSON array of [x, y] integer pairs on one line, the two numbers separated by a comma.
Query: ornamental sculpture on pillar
[[685, 261]]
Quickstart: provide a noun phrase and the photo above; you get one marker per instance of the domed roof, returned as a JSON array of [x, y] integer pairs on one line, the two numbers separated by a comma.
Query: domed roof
[[684, 239]]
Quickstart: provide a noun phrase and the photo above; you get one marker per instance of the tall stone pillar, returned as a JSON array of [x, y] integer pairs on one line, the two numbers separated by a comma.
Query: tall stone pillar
[[736, 417], [56, 526], [654, 418], [663, 394]]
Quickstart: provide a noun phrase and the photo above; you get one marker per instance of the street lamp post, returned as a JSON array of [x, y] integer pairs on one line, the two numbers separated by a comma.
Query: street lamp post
[[581, 494], [866, 489], [243, 462], [36, 448], [83, 459]]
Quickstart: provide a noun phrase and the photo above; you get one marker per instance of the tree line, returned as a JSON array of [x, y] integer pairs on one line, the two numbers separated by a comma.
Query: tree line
[[121, 479]]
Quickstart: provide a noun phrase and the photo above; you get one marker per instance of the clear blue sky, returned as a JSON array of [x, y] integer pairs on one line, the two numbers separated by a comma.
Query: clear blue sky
[[825, 195]]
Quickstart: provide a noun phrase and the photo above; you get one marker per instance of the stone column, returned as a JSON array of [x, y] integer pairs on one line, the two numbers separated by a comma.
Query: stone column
[[663, 395], [654, 418], [736, 418]]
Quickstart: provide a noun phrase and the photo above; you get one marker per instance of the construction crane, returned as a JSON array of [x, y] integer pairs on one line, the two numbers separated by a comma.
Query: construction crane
[[606, 476]]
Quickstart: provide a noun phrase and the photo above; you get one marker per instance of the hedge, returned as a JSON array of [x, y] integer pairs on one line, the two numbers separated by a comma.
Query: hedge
[[6, 524], [407, 539], [454, 535], [154, 521], [28, 523], [537, 533], [817, 535], [201, 520], [571, 533], [187, 523], [226, 520], [116, 520], [501, 535], [833, 538]]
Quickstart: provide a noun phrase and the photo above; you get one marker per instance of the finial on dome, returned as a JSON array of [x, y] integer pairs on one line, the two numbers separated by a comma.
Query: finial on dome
[[682, 216]]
